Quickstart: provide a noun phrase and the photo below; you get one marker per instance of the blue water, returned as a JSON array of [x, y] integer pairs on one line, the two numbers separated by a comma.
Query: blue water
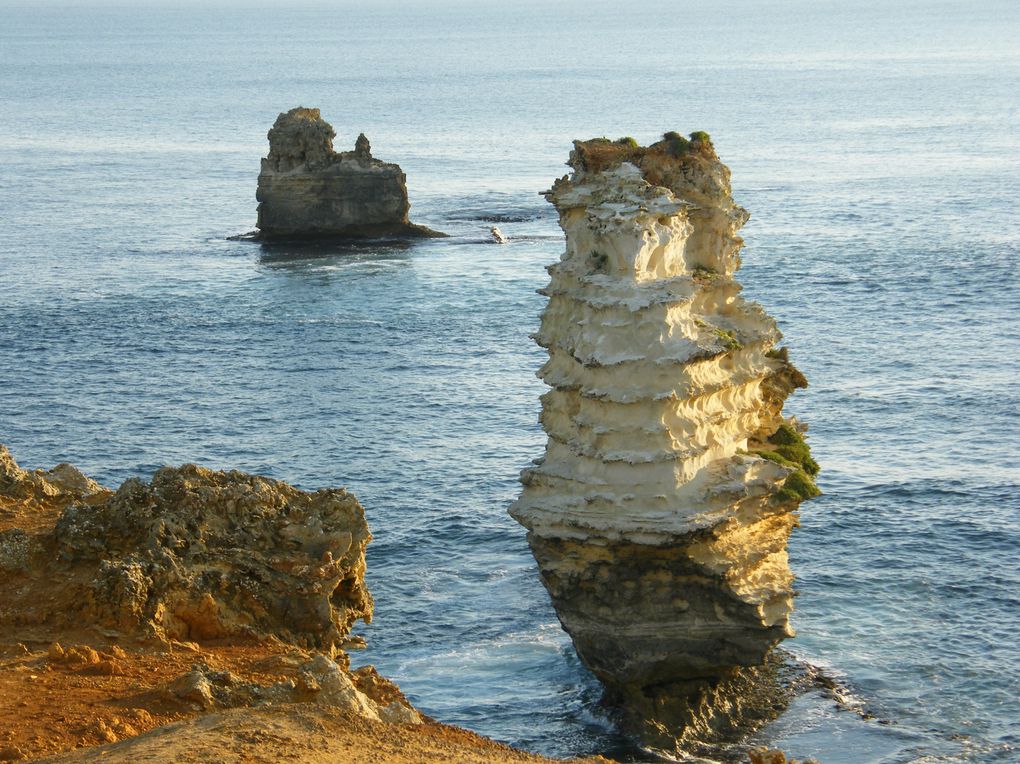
[[875, 144]]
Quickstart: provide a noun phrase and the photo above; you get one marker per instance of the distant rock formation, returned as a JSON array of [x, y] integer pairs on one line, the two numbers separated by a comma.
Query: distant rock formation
[[306, 189], [660, 512]]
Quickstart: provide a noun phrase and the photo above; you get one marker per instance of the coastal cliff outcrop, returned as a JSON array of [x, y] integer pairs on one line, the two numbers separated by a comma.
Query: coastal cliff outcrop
[[201, 616], [306, 189], [192, 555], [255, 583], [660, 512]]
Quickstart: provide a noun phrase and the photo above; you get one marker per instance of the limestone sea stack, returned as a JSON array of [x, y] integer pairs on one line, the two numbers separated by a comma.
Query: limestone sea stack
[[660, 512], [306, 189]]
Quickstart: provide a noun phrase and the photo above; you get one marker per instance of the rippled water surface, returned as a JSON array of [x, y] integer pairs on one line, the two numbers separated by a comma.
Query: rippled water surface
[[875, 144]]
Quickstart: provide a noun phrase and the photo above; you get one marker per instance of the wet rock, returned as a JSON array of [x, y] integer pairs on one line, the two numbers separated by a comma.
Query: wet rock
[[772, 756]]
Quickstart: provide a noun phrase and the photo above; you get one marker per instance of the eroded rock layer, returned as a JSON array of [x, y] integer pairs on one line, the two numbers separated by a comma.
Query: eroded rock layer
[[306, 189], [217, 641], [192, 555], [660, 512]]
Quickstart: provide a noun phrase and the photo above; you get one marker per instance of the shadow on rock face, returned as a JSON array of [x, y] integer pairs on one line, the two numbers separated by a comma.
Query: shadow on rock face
[[713, 719], [706, 717], [305, 188]]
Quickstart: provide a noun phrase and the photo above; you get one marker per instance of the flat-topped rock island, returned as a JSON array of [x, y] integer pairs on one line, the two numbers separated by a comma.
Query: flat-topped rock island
[[308, 190]]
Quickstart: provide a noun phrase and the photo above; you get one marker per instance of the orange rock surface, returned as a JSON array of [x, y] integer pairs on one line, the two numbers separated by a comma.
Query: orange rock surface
[[158, 624]]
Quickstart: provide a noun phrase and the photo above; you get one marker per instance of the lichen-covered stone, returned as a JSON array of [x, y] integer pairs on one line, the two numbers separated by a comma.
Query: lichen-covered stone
[[660, 512], [306, 189], [192, 555]]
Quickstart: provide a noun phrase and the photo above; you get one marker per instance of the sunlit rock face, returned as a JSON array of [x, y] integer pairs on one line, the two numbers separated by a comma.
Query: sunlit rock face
[[660, 512], [306, 189], [194, 554]]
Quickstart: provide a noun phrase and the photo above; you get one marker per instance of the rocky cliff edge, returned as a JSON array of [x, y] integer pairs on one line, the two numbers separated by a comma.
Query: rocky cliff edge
[[199, 616]]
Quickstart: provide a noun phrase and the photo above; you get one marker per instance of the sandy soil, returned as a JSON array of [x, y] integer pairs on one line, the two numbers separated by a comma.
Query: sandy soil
[[304, 733], [113, 705]]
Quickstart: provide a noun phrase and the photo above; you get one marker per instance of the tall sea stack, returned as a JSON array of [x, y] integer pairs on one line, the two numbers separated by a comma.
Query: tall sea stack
[[308, 190], [660, 512]]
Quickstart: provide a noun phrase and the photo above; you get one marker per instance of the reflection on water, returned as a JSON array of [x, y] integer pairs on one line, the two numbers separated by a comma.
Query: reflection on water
[[281, 252]]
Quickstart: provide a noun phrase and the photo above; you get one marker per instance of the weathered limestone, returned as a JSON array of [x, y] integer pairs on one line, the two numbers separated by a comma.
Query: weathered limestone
[[660, 512], [306, 189], [112, 595], [42, 485], [193, 555], [319, 679]]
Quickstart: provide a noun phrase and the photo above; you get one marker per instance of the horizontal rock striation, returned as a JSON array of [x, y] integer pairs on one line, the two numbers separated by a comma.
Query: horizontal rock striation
[[306, 189], [660, 512]]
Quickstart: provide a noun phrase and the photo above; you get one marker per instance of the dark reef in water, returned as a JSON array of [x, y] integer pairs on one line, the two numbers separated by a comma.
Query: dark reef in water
[[308, 190]]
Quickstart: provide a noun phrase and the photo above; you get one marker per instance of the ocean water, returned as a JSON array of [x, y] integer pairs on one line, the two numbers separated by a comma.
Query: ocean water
[[875, 144]]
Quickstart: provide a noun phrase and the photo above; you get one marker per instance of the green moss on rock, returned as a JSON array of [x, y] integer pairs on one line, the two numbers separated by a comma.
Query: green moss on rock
[[676, 144], [798, 487], [791, 445], [787, 448], [728, 339], [700, 136], [772, 456]]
